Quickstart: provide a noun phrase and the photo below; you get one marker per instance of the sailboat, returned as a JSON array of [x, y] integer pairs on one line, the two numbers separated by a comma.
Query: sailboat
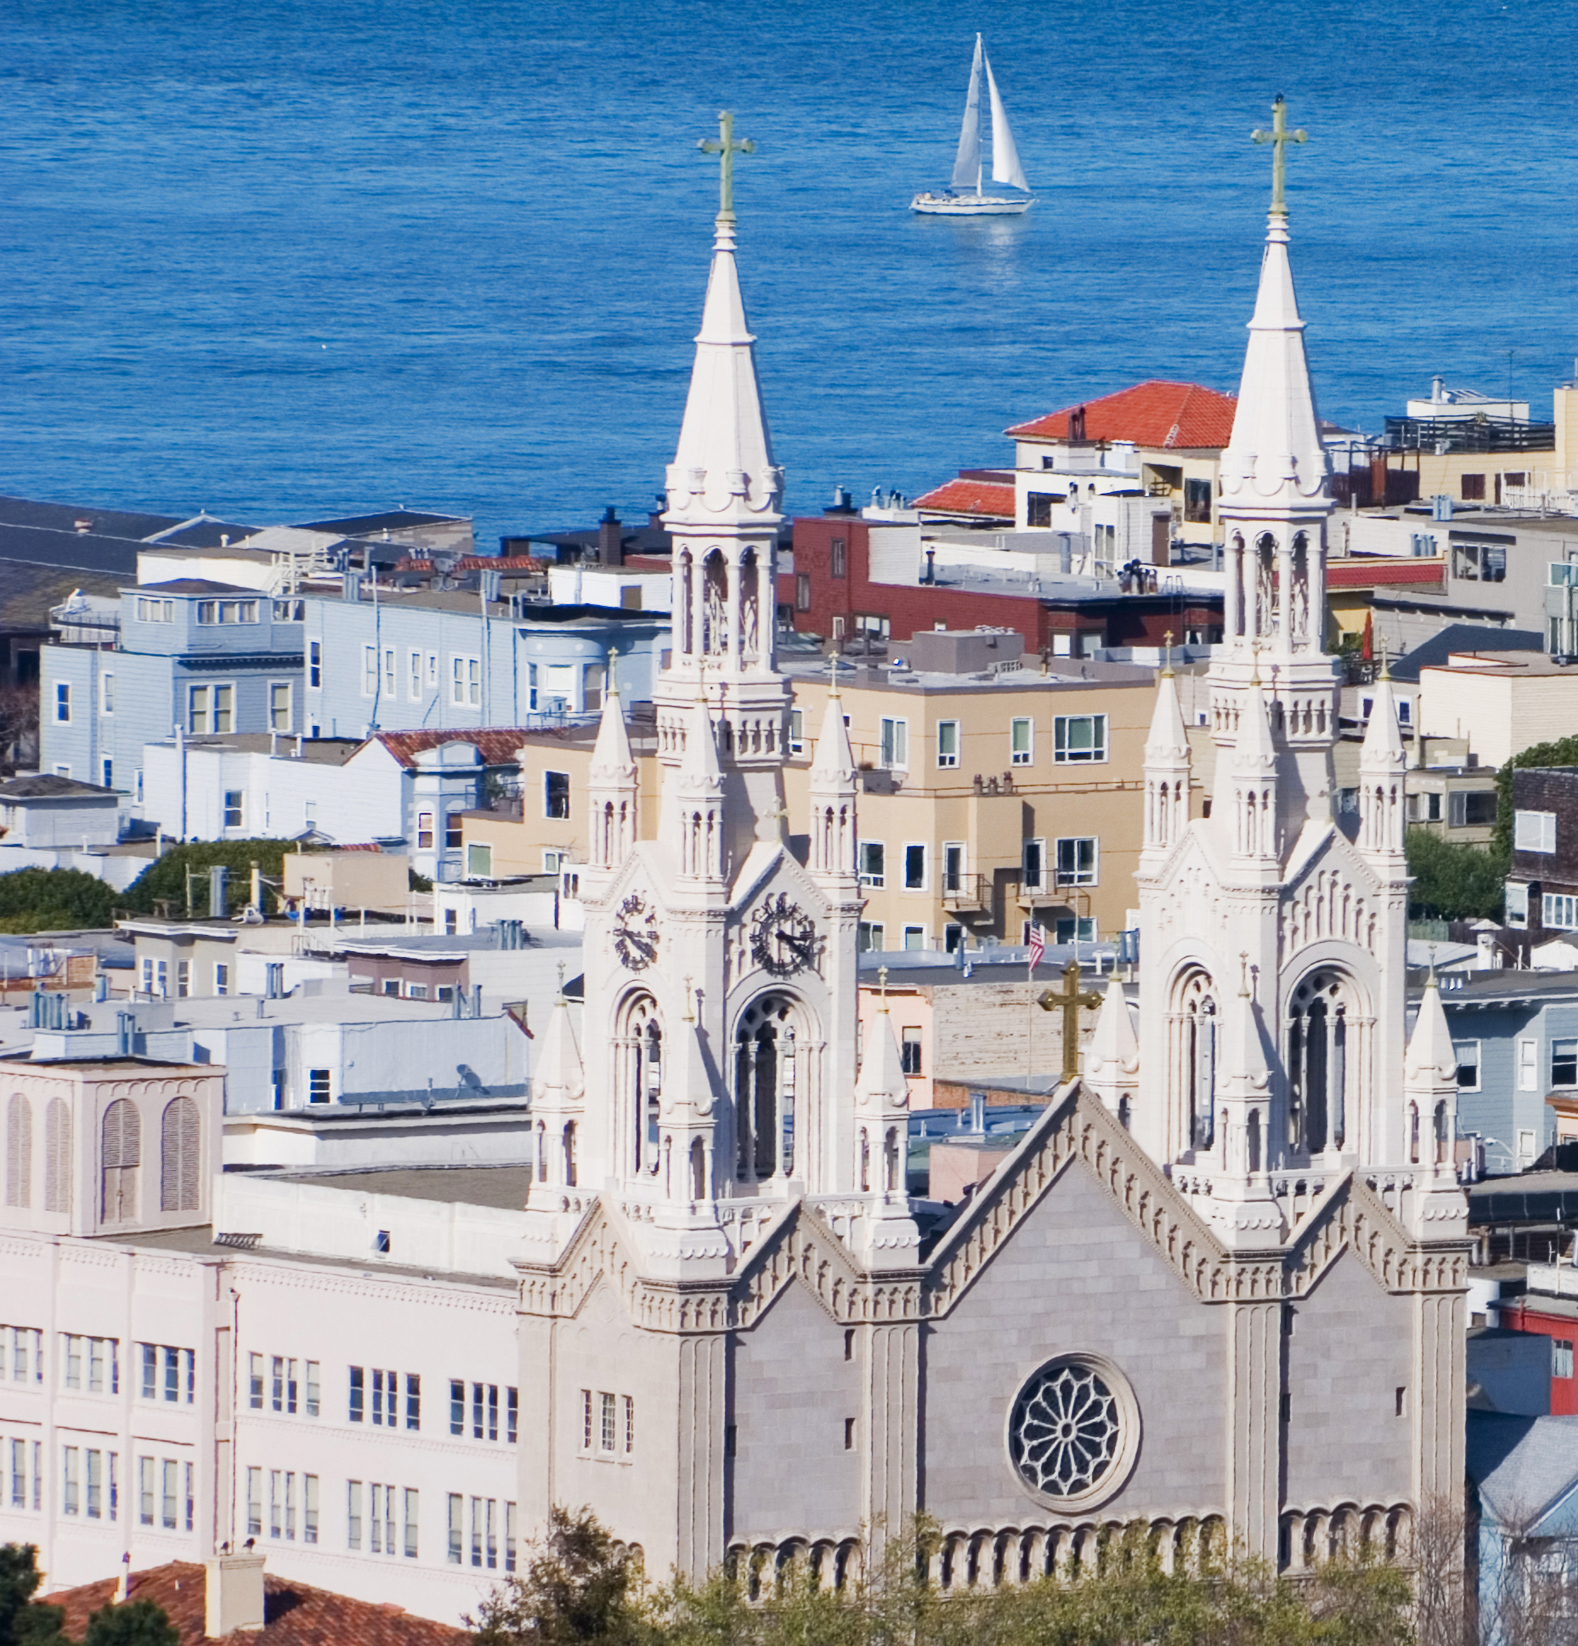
[[966, 198]]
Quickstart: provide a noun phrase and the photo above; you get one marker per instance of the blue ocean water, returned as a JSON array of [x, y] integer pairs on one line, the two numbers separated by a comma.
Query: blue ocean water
[[283, 259]]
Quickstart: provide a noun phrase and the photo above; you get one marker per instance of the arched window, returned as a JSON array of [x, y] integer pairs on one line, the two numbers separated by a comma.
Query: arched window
[[542, 1152], [1237, 573], [865, 1159], [1318, 1063], [180, 1157], [1200, 1027], [698, 1170], [569, 1154], [1413, 1134], [1265, 585], [19, 1151], [1441, 1134], [120, 1154], [643, 1040], [1299, 595], [748, 604], [714, 603], [685, 615], [890, 1161], [1254, 1140], [764, 1090], [57, 1156]]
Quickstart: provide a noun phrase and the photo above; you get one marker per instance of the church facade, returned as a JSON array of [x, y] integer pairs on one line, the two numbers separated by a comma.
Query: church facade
[[1218, 1289]]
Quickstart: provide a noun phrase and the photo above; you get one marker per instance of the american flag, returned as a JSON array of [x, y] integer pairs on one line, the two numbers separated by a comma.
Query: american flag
[[1038, 946]]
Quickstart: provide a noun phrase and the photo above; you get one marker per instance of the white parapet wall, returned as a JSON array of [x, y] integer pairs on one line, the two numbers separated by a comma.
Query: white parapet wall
[[349, 1222]]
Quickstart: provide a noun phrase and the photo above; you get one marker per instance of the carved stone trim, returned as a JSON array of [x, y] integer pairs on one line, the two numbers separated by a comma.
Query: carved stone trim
[[1353, 1216]]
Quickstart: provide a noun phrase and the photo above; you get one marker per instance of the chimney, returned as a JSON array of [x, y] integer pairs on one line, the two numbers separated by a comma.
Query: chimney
[[610, 539], [233, 1596], [1076, 425]]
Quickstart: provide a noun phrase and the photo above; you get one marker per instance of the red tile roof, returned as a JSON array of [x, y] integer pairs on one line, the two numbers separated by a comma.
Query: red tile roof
[[295, 1614], [498, 745], [982, 497], [1156, 415], [1374, 571]]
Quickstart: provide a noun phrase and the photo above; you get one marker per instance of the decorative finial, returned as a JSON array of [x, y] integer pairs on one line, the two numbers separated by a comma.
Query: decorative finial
[[561, 980], [1430, 980], [613, 678], [1386, 661], [882, 985], [832, 672], [1279, 137], [1254, 678], [1243, 961], [726, 146], [690, 1001], [1167, 653]]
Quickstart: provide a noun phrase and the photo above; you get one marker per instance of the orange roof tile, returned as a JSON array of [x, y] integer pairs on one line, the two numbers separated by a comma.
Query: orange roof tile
[[983, 497], [1369, 572], [498, 745], [1157, 415], [295, 1614]]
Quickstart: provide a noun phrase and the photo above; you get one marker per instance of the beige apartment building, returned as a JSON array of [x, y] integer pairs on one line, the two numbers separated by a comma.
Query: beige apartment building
[[994, 792]]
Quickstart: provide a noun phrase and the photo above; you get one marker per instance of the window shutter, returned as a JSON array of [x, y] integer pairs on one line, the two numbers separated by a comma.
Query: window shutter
[[57, 1156], [178, 1166], [19, 1151]]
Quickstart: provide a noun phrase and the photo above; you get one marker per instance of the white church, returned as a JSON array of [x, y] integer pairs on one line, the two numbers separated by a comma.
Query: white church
[[1218, 1289]]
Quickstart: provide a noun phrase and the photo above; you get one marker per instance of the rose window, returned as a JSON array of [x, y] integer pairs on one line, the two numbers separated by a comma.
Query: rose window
[[1066, 1430]]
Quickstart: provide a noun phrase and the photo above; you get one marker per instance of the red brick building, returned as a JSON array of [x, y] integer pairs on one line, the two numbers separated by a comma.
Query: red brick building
[[830, 593]]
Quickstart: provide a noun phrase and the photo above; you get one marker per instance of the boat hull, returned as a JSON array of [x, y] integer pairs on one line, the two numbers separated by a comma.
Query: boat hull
[[970, 205]]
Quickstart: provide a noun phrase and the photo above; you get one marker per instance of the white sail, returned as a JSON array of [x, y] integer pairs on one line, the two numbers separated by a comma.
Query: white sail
[[967, 167], [1005, 157]]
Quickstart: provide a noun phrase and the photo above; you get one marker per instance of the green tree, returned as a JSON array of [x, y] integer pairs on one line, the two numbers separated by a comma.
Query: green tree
[[1453, 881], [164, 880], [578, 1586], [1563, 752], [35, 900], [132, 1623], [23, 1620]]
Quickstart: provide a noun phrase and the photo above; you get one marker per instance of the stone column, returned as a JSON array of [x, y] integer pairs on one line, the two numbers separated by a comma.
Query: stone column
[[701, 1437], [1254, 1425], [889, 1425]]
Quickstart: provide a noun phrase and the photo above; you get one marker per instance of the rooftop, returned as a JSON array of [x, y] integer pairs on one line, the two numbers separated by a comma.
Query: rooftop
[[1506, 664], [365, 525], [1064, 674], [990, 499], [46, 786], [1156, 415], [295, 1614], [505, 1187], [195, 585]]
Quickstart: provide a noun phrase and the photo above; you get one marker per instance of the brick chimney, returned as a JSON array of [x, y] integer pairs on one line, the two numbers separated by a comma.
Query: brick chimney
[[610, 539], [233, 1597]]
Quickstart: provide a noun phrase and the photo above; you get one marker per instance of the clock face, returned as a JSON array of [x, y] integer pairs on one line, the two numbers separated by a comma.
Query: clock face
[[783, 937], [635, 934]]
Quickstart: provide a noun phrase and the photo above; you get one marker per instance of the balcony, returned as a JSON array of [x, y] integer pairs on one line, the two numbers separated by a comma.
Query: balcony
[[965, 892]]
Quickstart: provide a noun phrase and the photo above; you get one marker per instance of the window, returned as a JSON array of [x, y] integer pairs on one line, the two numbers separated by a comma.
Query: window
[[221, 977], [457, 1529], [1076, 861], [1035, 858], [413, 684], [556, 794], [369, 671], [1534, 831], [1528, 1065], [910, 1050], [457, 1406], [1038, 508], [1517, 904], [155, 611], [1197, 501], [1466, 810], [1561, 1357], [358, 1402], [870, 936], [1071, 930], [413, 1400], [68, 1481], [1079, 737], [465, 682], [895, 744], [353, 1514], [953, 866], [107, 773], [290, 611], [1564, 1062], [1559, 911], [309, 1508], [915, 937], [279, 716], [424, 831], [1020, 742], [454, 830], [390, 680], [1479, 562], [234, 808], [168, 1374], [210, 709], [1467, 1064], [838, 557], [90, 1364], [947, 743], [1473, 488], [802, 592], [915, 868], [479, 861], [609, 1434], [106, 694], [227, 611], [318, 1085], [63, 702], [797, 731], [872, 856]]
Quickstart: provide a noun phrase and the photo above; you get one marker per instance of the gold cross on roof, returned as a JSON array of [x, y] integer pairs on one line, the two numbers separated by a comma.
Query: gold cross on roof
[[1068, 1000], [1279, 137], [725, 145]]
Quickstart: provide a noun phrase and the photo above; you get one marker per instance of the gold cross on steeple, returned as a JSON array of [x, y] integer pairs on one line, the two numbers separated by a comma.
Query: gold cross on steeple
[[1068, 1000], [726, 146], [1279, 137]]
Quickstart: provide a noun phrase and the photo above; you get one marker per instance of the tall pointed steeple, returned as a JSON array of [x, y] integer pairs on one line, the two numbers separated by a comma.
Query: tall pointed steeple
[[1112, 1059], [558, 1094], [612, 788], [1430, 1089], [1383, 768], [831, 791], [698, 787], [1252, 777], [1167, 766]]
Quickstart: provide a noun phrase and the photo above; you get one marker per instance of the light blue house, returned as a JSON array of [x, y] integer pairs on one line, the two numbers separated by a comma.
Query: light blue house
[[203, 657], [1523, 1526], [452, 660], [1516, 1035]]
